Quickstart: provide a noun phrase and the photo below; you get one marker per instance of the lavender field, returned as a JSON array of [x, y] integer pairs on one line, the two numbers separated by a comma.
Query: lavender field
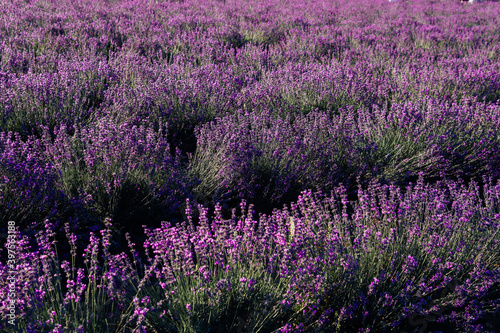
[[249, 166]]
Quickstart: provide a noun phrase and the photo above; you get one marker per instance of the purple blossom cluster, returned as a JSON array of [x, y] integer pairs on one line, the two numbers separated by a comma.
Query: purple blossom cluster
[[115, 168], [27, 185], [323, 166], [259, 155], [104, 170]]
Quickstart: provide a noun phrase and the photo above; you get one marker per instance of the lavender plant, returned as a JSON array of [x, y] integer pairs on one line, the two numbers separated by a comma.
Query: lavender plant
[[442, 141], [407, 251], [57, 295], [218, 275], [123, 172], [27, 185], [267, 157], [69, 94]]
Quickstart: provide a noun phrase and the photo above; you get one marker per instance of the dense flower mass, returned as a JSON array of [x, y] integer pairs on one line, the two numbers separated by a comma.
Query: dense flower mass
[[296, 166], [396, 257]]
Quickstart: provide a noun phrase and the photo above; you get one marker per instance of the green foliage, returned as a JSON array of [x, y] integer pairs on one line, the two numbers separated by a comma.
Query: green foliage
[[244, 297]]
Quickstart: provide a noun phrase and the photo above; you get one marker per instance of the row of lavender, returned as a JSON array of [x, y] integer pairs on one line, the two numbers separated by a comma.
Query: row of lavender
[[123, 110], [125, 171], [424, 260], [70, 62]]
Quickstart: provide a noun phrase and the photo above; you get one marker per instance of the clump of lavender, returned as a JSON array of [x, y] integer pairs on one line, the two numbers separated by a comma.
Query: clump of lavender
[[220, 274], [262, 155], [27, 184], [117, 170], [258, 155], [70, 93], [404, 260], [432, 137], [54, 295]]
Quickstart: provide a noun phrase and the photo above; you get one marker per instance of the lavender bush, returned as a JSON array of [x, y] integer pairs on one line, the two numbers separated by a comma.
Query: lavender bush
[[121, 172], [262, 156], [27, 185], [70, 93], [71, 298], [440, 141]]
